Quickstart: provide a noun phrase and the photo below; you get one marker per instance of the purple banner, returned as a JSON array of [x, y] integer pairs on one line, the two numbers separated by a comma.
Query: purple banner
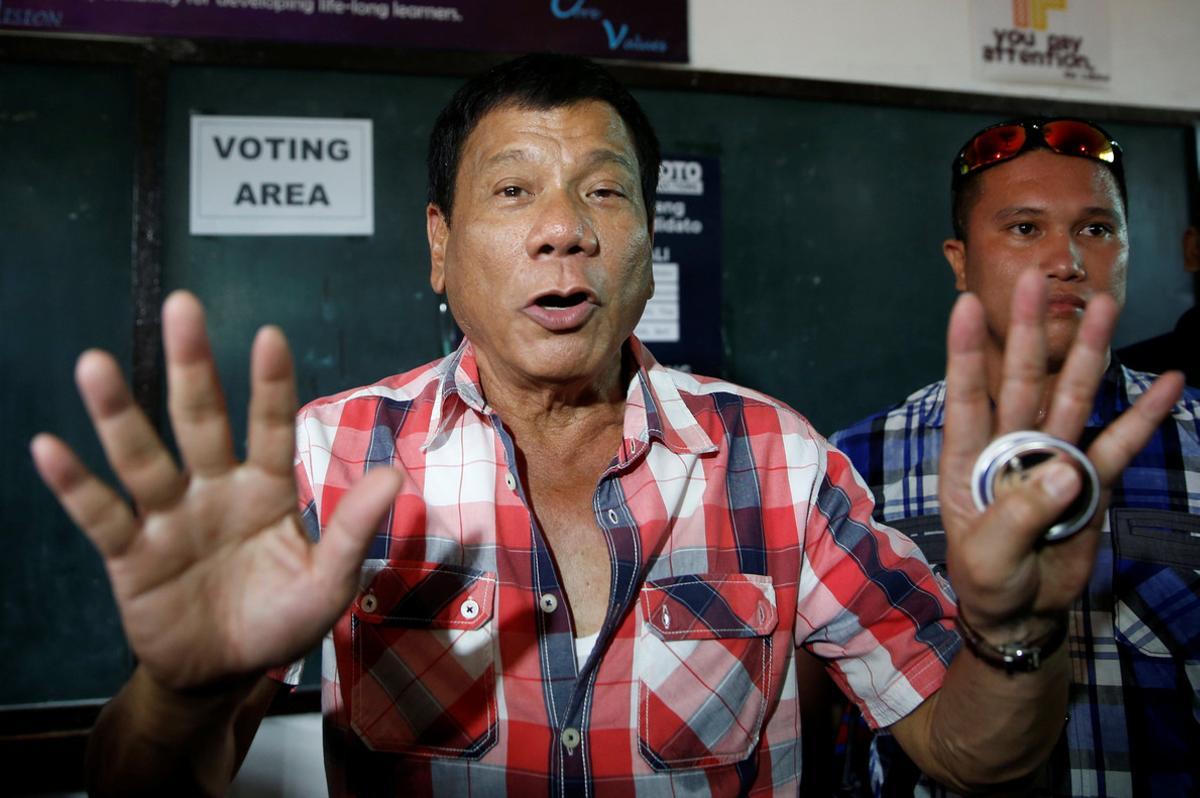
[[627, 29]]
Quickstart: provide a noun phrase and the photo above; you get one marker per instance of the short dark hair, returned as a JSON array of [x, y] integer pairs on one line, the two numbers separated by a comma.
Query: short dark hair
[[540, 81], [964, 188]]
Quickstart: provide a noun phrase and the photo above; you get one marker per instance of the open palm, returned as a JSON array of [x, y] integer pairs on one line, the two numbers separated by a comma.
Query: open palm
[[1001, 571], [213, 572]]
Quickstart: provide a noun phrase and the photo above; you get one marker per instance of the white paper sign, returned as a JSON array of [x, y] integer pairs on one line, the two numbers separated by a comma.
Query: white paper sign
[[1061, 42], [660, 319], [277, 175]]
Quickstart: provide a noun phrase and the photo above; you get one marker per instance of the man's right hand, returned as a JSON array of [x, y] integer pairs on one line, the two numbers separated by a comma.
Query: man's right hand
[[214, 575]]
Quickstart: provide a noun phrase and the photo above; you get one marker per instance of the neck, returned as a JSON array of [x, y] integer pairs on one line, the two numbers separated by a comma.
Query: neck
[[579, 409], [995, 378]]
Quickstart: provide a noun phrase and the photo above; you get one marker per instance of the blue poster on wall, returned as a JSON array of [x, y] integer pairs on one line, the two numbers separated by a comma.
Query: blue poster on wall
[[682, 321]]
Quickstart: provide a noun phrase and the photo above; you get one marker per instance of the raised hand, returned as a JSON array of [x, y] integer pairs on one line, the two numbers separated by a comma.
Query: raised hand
[[1005, 578], [213, 572]]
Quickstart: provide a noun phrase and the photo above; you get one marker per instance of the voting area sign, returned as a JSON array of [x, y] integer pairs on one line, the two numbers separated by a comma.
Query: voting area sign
[[254, 175]]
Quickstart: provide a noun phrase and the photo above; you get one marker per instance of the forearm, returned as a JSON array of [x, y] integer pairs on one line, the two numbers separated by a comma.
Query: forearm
[[987, 727], [153, 741]]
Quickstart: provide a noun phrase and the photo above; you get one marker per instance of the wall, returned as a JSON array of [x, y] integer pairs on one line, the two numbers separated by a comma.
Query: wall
[[927, 44]]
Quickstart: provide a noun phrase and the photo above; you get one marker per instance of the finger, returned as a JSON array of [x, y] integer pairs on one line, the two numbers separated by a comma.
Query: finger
[[338, 555], [1022, 514], [1065, 567], [968, 414], [130, 443], [1128, 435], [94, 507], [1024, 379], [271, 435], [1075, 390], [194, 398]]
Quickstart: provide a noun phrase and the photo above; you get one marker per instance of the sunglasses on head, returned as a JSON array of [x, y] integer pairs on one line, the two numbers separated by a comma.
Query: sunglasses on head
[[1003, 142]]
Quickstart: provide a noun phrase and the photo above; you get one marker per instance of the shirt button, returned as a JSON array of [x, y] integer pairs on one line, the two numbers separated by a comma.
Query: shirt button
[[510, 480], [469, 609], [612, 517], [570, 738], [548, 602]]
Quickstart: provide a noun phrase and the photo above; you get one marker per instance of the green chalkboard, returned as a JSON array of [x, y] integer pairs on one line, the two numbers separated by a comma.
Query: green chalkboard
[[834, 291], [65, 220]]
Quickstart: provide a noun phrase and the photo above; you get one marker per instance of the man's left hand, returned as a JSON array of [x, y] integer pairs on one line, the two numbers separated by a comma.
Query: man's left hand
[[1010, 585]]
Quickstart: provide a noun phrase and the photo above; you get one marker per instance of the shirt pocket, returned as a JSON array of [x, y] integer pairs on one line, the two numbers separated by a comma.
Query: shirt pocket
[[703, 668], [1156, 584], [422, 667]]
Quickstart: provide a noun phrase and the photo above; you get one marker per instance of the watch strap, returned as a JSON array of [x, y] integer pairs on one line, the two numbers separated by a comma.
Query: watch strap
[[1024, 656]]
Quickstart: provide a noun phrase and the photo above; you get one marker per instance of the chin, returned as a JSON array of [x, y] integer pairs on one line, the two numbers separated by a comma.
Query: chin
[[565, 358]]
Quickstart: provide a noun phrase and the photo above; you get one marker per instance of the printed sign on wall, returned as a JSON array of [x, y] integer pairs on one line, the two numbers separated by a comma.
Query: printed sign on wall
[[628, 29], [274, 175], [682, 321], [1063, 42]]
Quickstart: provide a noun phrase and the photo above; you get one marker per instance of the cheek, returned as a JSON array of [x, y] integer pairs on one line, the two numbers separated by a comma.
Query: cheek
[[1116, 280], [637, 257]]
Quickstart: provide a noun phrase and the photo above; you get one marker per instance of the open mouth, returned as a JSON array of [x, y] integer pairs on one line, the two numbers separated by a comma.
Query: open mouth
[[553, 301], [562, 312]]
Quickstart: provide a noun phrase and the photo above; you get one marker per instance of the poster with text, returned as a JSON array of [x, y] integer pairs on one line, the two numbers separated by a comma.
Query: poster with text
[[1056, 42], [276, 175], [626, 29], [682, 321]]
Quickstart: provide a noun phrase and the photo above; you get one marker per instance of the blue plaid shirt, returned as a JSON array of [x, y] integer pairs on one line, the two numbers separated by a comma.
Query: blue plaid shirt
[[1134, 725]]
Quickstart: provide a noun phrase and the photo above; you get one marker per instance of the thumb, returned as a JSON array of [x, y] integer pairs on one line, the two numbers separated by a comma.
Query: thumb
[[1028, 506], [338, 556]]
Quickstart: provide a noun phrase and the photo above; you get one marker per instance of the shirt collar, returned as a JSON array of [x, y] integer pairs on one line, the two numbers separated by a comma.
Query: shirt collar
[[457, 385], [654, 408]]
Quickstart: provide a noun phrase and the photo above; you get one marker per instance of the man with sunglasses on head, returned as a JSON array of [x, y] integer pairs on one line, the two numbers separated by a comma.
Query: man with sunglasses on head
[[1048, 197]]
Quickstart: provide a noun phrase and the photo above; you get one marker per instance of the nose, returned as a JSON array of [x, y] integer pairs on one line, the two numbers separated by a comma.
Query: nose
[[562, 227], [1064, 260]]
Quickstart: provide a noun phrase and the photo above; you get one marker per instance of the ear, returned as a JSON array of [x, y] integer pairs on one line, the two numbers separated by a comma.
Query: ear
[[955, 250], [437, 230], [1191, 249]]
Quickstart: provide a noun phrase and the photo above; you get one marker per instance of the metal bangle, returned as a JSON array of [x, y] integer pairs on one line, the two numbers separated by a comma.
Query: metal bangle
[[1018, 451]]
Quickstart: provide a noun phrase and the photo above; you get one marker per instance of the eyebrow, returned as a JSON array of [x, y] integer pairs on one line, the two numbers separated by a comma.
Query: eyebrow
[[602, 157], [1027, 210]]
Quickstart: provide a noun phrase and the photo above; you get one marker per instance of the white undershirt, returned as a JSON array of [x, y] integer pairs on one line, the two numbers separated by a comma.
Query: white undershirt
[[583, 648]]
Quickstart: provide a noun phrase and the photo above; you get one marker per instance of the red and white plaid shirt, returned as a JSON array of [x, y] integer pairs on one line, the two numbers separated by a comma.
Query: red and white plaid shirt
[[736, 534]]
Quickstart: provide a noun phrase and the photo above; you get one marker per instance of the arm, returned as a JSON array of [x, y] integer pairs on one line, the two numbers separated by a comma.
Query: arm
[[985, 726], [214, 575], [149, 739]]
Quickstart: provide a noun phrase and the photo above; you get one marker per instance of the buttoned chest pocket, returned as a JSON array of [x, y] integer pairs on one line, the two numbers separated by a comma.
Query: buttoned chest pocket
[[422, 671], [703, 667], [1156, 583]]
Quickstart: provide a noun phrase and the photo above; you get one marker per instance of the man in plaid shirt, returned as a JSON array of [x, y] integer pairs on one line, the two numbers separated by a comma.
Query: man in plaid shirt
[[550, 565], [1134, 642]]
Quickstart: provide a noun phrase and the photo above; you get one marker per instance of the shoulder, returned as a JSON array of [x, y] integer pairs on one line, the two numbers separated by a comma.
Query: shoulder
[[1186, 410], [923, 408], [410, 386], [716, 401]]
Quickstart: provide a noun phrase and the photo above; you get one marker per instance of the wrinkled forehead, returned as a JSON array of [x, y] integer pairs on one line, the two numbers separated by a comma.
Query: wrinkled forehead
[[513, 129]]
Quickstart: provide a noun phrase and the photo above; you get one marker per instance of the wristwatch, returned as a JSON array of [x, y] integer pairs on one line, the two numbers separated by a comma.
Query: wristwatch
[[1023, 656]]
